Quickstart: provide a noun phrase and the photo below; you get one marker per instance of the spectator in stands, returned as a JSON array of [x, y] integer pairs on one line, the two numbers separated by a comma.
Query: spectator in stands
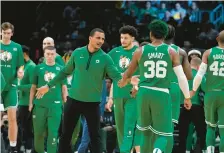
[[162, 11], [178, 13], [194, 12], [147, 10]]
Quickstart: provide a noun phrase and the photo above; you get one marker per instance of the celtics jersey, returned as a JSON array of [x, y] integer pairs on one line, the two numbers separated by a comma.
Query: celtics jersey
[[11, 57], [215, 70], [42, 75], [122, 59], [26, 82], [2, 85], [155, 66]]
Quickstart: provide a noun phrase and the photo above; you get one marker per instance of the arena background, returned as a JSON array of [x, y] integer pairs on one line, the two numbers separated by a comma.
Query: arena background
[[69, 23]]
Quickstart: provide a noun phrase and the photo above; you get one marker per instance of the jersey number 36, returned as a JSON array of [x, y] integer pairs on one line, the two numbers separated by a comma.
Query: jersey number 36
[[155, 69]]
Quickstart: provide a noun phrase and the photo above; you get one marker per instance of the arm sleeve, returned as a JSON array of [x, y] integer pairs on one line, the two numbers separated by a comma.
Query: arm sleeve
[[20, 61], [112, 70], [26, 87], [182, 80], [198, 78], [67, 70]]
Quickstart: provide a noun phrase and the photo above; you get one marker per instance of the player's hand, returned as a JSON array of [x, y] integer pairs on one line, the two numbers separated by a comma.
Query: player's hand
[[121, 83], [41, 91], [133, 92], [187, 103], [64, 98], [134, 80], [30, 107], [109, 105], [192, 93]]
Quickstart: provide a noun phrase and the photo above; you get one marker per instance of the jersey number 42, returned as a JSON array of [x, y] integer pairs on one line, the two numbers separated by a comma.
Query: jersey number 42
[[155, 69], [217, 71]]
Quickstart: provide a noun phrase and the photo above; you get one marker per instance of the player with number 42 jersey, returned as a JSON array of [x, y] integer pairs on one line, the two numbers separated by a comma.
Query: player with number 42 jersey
[[213, 65]]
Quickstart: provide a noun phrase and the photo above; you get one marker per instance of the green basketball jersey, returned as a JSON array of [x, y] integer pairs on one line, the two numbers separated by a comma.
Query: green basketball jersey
[[2, 82], [42, 75], [11, 57], [122, 59], [215, 70], [155, 66]]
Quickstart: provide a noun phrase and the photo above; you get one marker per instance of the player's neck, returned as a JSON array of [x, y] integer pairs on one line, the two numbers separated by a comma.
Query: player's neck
[[221, 45], [26, 59], [5, 42], [129, 47], [169, 42], [91, 49], [50, 64], [157, 42]]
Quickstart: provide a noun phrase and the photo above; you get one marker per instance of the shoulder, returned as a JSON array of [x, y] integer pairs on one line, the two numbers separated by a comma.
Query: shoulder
[[114, 50]]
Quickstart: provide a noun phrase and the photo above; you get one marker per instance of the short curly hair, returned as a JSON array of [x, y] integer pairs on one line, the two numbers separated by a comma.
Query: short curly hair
[[132, 31], [171, 32], [158, 29]]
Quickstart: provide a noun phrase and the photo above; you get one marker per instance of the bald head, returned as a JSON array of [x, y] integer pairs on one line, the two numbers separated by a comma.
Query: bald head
[[48, 41], [195, 63], [220, 37]]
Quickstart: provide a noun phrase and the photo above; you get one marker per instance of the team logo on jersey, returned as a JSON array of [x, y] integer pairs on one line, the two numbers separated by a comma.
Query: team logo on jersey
[[69, 79], [48, 76], [97, 61], [58, 68], [124, 62], [5, 56], [14, 49]]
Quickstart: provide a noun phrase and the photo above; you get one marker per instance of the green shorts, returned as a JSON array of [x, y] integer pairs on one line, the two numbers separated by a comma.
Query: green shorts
[[154, 111], [175, 101], [214, 108], [10, 98]]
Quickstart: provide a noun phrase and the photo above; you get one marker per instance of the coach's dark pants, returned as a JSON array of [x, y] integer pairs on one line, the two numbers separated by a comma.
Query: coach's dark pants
[[72, 111], [195, 115], [25, 127]]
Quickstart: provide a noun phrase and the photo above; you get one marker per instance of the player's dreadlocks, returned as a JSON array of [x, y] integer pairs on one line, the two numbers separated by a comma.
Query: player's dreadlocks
[[158, 29]]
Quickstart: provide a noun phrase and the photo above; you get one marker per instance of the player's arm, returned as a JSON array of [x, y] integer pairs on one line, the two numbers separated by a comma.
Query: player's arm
[[3, 83], [66, 71], [185, 64], [201, 72], [64, 90], [33, 88], [20, 61], [111, 69], [26, 87], [182, 80], [133, 65]]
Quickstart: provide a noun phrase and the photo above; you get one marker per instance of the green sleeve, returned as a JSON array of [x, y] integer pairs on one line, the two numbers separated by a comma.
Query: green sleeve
[[112, 70], [26, 87], [203, 84], [35, 76], [67, 70], [2, 82], [111, 53], [59, 60], [20, 61]]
